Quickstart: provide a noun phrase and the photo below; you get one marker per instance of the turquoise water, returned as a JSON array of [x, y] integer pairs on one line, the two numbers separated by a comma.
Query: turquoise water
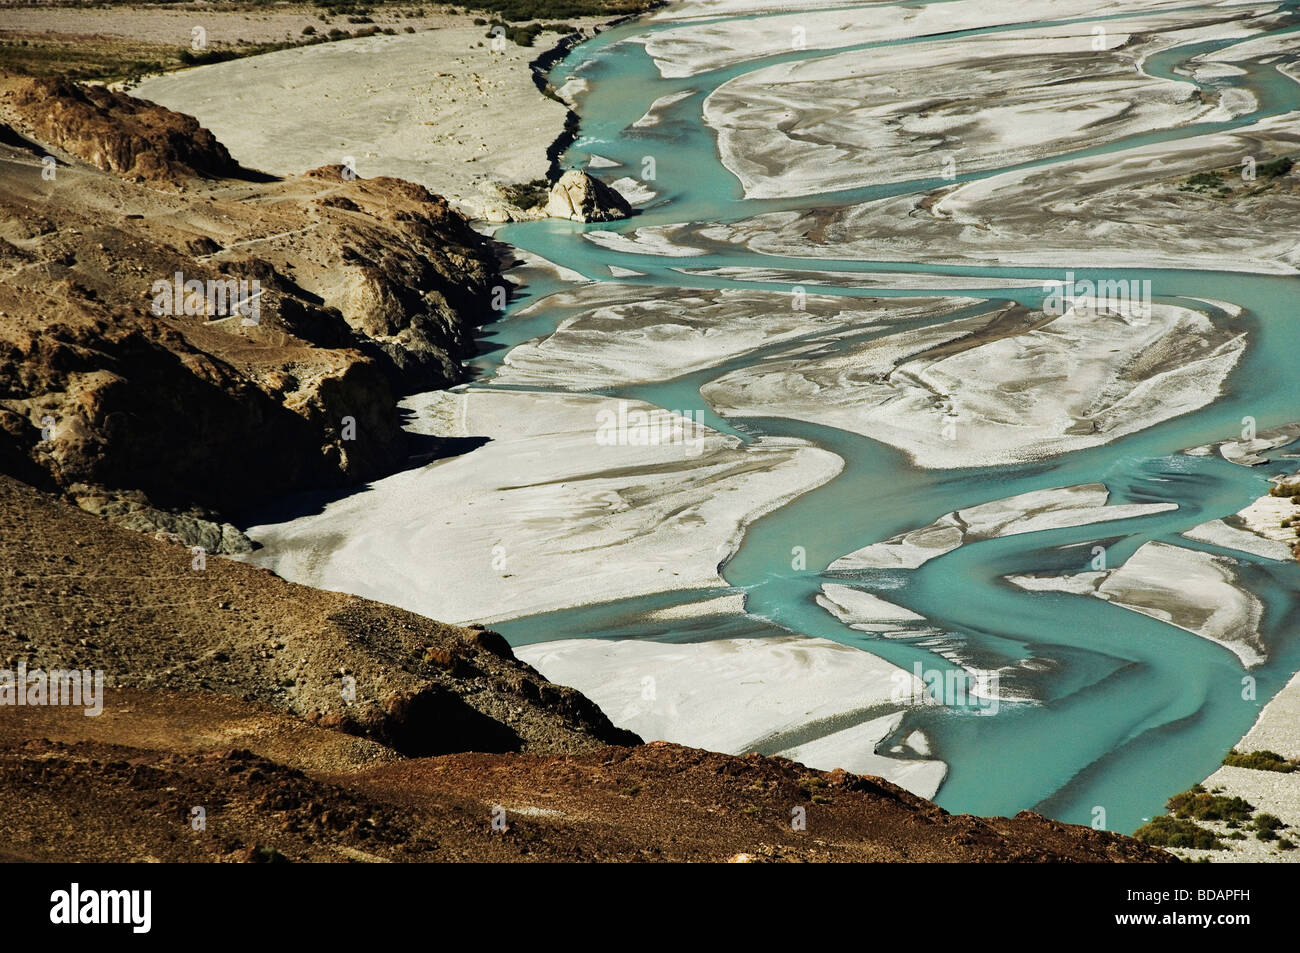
[[1126, 710]]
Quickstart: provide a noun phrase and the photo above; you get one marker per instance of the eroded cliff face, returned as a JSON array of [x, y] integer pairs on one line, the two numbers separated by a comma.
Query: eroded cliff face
[[174, 325]]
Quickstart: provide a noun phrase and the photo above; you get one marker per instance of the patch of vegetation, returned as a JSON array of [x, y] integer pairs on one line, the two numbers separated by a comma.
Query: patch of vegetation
[[519, 10], [810, 784], [82, 58], [203, 57], [1220, 181], [1167, 831], [1202, 182], [1199, 804], [1260, 760], [1267, 826], [526, 35], [1271, 170], [112, 59], [345, 7], [266, 854], [528, 194], [1237, 814]]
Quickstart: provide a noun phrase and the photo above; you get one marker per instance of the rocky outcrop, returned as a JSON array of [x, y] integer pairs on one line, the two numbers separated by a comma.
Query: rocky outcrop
[[109, 399], [193, 528], [581, 198], [577, 196], [113, 131], [132, 362], [413, 279], [513, 203]]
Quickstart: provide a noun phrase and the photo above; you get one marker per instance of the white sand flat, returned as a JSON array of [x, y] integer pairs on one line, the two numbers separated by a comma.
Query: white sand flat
[[735, 695], [543, 516], [1199, 592], [1080, 380], [1031, 512]]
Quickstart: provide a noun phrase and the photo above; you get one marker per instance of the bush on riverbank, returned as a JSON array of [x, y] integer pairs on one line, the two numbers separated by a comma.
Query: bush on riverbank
[[1224, 181], [514, 11], [526, 35], [1201, 805], [1167, 831], [517, 10], [1267, 826], [527, 195], [1259, 761]]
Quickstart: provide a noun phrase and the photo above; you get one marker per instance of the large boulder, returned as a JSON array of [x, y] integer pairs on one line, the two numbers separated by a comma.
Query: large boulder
[[580, 198]]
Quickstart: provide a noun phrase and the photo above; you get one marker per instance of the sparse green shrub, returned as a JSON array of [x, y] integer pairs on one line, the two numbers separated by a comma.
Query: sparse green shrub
[[1274, 168], [1202, 182], [1167, 831], [1260, 760], [1199, 804], [1268, 822], [528, 194]]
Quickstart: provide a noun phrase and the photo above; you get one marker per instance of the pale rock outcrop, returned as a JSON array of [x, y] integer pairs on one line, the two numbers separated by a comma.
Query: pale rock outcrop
[[581, 198]]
